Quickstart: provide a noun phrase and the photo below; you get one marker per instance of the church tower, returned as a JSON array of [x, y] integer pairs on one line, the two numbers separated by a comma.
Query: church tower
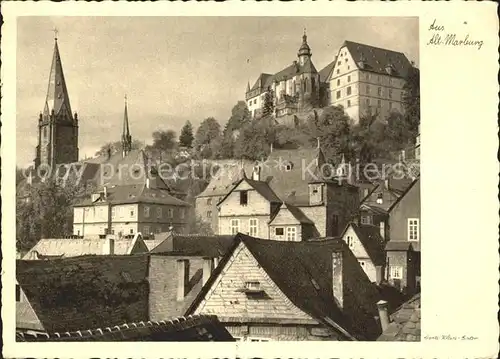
[[126, 137], [304, 53], [57, 126]]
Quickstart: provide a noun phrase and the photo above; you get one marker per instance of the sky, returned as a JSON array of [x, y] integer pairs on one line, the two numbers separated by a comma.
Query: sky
[[172, 69]]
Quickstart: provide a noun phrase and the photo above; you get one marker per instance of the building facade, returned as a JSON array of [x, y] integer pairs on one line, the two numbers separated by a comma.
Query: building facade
[[57, 125], [295, 88], [368, 80]]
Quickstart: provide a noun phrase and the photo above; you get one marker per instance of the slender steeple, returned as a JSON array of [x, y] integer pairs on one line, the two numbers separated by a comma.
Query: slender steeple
[[57, 125], [57, 100], [304, 50], [126, 137]]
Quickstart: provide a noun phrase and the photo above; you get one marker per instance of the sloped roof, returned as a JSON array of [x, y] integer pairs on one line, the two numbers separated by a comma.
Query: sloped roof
[[196, 245], [224, 179], [400, 246], [376, 58], [373, 209], [262, 187], [303, 272], [405, 323], [373, 243], [73, 247], [262, 81], [86, 292], [291, 186], [408, 189], [324, 73], [294, 211], [157, 240], [192, 328]]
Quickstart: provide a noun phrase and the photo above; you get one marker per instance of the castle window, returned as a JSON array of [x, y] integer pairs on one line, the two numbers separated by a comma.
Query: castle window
[[390, 105], [209, 214], [338, 82], [146, 230], [390, 93], [367, 89], [158, 212], [45, 132], [379, 91], [349, 91], [348, 103], [349, 78], [338, 94], [379, 103], [146, 211], [170, 213], [368, 101]]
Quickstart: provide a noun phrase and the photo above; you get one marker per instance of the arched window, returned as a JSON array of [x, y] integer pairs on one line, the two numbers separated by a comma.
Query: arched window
[[313, 85], [45, 132]]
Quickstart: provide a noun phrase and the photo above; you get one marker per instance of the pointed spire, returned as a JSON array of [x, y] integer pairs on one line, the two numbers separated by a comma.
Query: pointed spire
[[304, 50], [248, 86], [57, 100], [126, 137]]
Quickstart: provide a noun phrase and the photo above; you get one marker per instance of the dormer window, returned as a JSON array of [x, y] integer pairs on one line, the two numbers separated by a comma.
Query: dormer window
[[252, 286], [380, 198]]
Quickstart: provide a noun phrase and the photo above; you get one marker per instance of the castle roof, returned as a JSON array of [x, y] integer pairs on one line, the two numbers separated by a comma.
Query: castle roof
[[57, 99], [376, 59]]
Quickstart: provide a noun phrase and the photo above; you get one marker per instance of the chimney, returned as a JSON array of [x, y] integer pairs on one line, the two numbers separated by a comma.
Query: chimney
[[182, 278], [386, 183], [256, 173], [403, 155], [338, 283], [383, 314], [271, 148], [208, 267], [105, 192], [382, 230], [109, 246], [147, 182]]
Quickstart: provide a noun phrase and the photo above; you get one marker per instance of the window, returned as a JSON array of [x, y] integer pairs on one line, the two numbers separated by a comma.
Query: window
[[235, 226], [362, 263], [349, 90], [170, 213], [368, 101], [182, 213], [158, 229], [288, 167], [348, 67], [18, 293], [413, 230], [146, 211], [390, 93], [158, 212], [113, 212], [209, 201], [396, 272], [350, 241], [209, 214], [146, 230], [367, 89], [390, 105], [338, 71], [345, 60], [131, 231], [379, 103], [291, 233], [338, 63], [243, 198], [349, 78], [253, 227], [338, 82], [131, 213], [348, 103], [279, 231], [253, 285], [402, 96], [366, 220], [338, 94], [379, 91]]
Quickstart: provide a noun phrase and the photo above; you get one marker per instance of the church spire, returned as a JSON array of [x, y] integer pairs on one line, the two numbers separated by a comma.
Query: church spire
[[304, 50], [126, 137], [57, 100]]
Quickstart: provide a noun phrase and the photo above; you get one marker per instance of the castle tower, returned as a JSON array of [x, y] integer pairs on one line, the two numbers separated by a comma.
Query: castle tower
[[57, 126], [304, 53], [126, 137]]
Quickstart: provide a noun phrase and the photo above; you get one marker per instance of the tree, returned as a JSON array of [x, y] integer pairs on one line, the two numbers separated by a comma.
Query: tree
[[116, 147], [240, 117], [186, 138], [164, 140], [411, 100], [47, 211], [255, 140], [369, 139], [228, 143], [208, 138], [268, 107], [196, 225]]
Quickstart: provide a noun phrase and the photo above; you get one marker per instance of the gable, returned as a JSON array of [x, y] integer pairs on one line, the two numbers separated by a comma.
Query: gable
[[256, 203], [26, 317], [356, 246], [284, 216], [344, 63], [225, 298]]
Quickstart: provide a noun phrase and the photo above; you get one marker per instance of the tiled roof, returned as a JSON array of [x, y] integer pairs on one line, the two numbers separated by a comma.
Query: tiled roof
[[295, 212], [399, 246], [192, 328], [405, 323], [263, 188], [373, 243], [73, 247], [262, 82], [157, 240], [196, 245], [403, 194], [136, 193], [373, 209], [86, 292], [303, 272], [292, 186], [376, 59], [224, 179], [326, 71]]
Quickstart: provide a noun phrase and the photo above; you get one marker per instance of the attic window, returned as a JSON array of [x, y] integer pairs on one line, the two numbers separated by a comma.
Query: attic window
[[252, 286], [243, 198]]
